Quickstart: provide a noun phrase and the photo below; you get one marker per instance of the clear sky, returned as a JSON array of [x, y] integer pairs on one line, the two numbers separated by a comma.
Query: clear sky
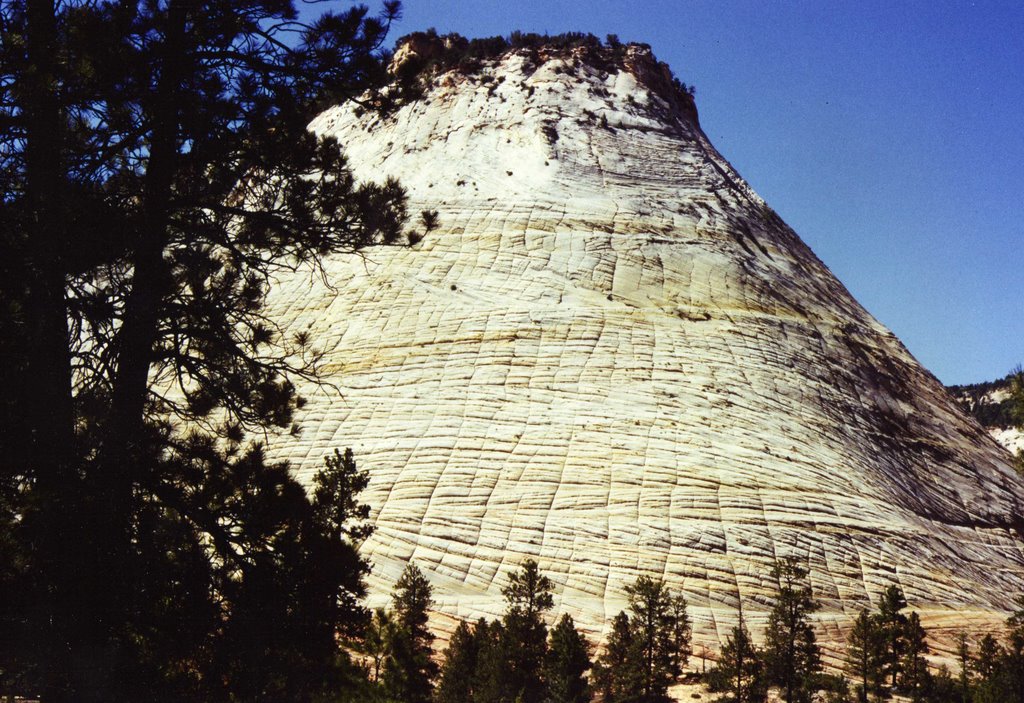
[[888, 134]]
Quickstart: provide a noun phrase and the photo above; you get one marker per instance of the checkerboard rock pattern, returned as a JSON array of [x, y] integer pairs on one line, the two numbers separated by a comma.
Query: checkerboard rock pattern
[[614, 358]]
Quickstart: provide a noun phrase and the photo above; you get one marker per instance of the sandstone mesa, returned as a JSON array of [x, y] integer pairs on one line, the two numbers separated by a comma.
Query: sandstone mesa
[[614, 358]]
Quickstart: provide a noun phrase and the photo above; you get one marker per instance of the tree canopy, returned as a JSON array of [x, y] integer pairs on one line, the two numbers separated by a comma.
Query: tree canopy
[[792, 655], [528, 598], [156, 173], [566, 664], [740, 673], [410, 671]]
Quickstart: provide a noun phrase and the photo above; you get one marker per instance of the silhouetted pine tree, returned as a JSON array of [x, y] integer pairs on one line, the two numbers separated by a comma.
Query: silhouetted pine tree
[[865, 656], [656, 633], [492, 681], [304, 582], [791, 654], [566, 665], [964, 678], [263, 619], [739, 673], [156, 170], [682, 633], [942, 687], [987, 660], [458, 668], [528, 597], [893, 623], [988, 664], [375, 644], [914, 674], [617, 672], [410, 669]]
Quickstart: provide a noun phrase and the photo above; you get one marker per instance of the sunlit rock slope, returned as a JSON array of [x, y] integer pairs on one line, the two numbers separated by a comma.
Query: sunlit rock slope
[[614, 358]]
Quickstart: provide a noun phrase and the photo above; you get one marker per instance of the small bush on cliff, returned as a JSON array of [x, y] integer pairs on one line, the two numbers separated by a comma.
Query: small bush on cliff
[[441, 53]]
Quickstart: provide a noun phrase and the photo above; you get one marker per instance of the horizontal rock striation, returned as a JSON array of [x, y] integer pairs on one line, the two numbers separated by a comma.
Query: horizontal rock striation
[[614, 358]]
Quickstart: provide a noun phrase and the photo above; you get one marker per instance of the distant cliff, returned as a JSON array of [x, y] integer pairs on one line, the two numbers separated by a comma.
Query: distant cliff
[[991, 405]]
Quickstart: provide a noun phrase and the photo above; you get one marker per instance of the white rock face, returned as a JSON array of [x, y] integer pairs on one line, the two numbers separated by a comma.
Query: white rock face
[[613, 358], [1009, 437]]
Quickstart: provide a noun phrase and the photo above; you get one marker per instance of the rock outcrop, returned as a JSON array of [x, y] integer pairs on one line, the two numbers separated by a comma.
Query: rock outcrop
[[614, 358], [991, 403]]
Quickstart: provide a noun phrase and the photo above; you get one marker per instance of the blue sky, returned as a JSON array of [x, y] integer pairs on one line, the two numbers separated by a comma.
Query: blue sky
[[889, 135]]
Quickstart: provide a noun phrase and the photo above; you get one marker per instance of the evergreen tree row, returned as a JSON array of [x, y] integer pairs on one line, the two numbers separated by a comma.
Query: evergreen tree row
[[885, 654], [515, 659]]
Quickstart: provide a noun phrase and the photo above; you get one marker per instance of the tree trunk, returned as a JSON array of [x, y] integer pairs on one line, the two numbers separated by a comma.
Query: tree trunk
[[150, 276], [50, 440], [123, 452]]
